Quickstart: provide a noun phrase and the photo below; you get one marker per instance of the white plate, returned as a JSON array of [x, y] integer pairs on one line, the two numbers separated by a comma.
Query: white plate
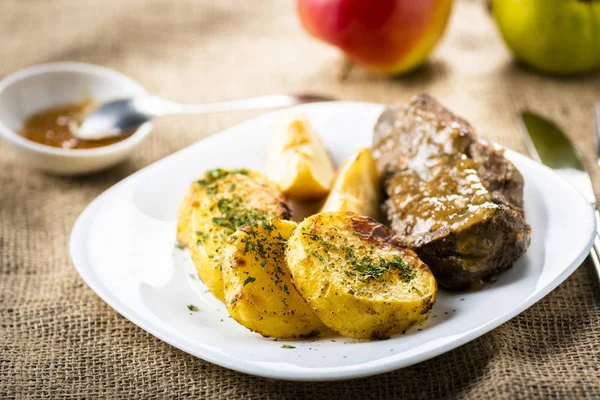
[[123, 245]]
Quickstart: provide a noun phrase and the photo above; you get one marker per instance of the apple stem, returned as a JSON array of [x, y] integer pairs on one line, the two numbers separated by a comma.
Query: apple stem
[[346, 69]]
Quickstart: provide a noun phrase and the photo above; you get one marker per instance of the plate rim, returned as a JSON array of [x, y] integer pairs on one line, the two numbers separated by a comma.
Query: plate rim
[[81, 229]]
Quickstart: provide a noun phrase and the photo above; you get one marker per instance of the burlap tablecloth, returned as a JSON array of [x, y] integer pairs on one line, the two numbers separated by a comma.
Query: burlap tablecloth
[[58, 339]]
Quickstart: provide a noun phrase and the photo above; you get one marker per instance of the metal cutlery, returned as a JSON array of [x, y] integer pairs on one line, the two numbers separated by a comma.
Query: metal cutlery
[[548, 144], [118, 117]]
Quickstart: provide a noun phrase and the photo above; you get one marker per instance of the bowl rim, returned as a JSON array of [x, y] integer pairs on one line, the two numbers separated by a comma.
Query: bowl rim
[[75, 67]]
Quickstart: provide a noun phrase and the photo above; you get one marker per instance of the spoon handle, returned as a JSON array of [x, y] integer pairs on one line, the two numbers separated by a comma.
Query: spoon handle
[[271, 101]]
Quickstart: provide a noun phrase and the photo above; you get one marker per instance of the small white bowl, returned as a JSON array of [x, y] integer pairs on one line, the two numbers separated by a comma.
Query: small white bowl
[[42, 86]]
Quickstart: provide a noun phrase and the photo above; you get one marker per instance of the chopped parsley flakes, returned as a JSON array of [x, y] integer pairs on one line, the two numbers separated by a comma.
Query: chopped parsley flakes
[[234, 214], [375, 269], [209, 181], [215, 174], [361, 266]]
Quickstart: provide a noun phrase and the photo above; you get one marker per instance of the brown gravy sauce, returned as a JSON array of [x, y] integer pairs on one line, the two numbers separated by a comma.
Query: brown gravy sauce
[[53, 127], [439, 185]]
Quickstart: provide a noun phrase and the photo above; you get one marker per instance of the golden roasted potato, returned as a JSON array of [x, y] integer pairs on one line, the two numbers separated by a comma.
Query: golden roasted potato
[[358, 280], [215, 207], [196, 193], [258, 291], [184, 233], [357, 186], [297, 159]]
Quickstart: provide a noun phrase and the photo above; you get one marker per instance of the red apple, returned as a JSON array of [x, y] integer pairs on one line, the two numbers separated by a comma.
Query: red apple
[[391, 36]]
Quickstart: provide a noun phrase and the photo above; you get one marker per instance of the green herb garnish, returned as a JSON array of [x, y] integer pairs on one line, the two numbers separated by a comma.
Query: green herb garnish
[[193, 308], [375, 269], [215, 174], [234, 214], [209, 181], [287, 346], [319, 256], [212, 190], [201, 237], [249, 279]]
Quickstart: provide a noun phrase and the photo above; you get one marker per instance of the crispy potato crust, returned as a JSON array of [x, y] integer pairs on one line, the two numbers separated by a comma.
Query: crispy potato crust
[[215, 207], [258, 291], [357, 278]]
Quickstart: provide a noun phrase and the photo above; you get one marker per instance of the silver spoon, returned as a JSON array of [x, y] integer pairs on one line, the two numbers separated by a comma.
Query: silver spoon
[[121, 116]]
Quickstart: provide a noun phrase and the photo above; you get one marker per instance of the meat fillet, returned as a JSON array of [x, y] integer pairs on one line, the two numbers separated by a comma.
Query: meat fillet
[[451, 196]]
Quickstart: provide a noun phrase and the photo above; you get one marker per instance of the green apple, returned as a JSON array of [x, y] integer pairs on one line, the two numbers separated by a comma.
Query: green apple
[[555, 36]]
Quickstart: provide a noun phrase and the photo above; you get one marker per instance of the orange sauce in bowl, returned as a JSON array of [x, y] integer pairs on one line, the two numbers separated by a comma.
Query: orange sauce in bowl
[[54, 126]]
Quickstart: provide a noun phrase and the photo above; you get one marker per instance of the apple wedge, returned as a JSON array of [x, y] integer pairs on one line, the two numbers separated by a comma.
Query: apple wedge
[[297, 159], [356, 186]]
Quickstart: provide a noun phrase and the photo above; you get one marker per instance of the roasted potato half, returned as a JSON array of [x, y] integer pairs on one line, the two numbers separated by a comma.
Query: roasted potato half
[[215, 207], [355, 276], [196, 194], [258, 291], [357, 186], [297, 159]]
